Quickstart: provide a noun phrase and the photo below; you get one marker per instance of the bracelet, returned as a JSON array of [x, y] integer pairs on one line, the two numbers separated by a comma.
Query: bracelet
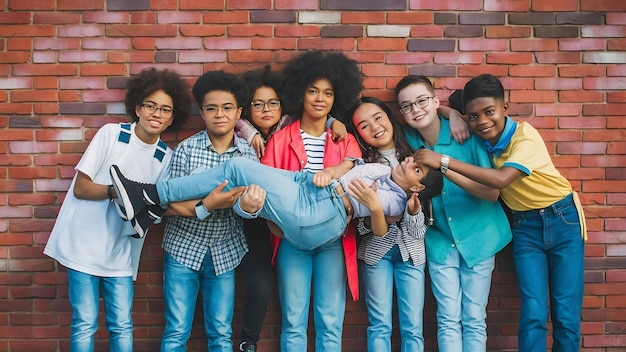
[[110, 192], [445, 160]]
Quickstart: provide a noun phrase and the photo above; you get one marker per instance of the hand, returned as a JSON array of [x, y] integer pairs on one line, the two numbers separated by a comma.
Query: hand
[[322, 178], [218, 199], [413, 204], [258, 145], [428, 157], [252, 199], [339, 130], [365, 194], [458, 128]]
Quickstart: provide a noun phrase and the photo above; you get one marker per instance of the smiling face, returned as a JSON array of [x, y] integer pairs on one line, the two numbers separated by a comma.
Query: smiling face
[[265, 119], [487, 117], [151, 124], [408, 175], [374, 126], [220, 113], [411, 98], [318, 100]]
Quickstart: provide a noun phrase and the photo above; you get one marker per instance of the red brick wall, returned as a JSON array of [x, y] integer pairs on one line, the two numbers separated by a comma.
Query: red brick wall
[[62, 65]]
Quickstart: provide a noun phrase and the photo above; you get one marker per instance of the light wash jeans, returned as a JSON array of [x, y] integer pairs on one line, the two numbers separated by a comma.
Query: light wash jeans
[[461, 293], [296, 269], [379, 282], [309, 216], [117, 296], [180, 292], [549, 254]]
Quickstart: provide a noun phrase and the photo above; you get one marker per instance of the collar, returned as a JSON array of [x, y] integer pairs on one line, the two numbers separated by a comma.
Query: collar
[[509, 129]]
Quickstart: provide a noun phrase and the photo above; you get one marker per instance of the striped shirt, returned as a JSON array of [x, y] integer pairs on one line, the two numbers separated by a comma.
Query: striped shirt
[[188, 240], [314, 147], [408, 233]]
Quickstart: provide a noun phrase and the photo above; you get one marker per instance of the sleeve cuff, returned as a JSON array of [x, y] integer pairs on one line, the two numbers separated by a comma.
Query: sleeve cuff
[[244, 214]]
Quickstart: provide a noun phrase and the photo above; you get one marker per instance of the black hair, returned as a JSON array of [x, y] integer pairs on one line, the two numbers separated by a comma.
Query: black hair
[[414, 79], [456, 101], [303, 70], [485, 85], [219, 80], [370, 154], [148, 81], [263, 77]]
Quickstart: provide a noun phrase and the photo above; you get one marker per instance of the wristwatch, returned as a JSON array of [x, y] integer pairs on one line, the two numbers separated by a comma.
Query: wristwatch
[[201, 211], [445, 160]]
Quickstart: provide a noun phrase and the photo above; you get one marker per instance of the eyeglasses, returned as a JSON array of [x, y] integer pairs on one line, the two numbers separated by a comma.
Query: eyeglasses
[[211, 110], [164, 111], [420, 103], [259, 105]]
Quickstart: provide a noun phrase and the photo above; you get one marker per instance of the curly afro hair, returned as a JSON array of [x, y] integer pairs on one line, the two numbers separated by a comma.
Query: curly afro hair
[[263, 77], [149, 81], [220, 80], [342, 73]]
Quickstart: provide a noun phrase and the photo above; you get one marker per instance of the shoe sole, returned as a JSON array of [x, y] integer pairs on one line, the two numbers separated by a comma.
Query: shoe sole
[[118, 185]]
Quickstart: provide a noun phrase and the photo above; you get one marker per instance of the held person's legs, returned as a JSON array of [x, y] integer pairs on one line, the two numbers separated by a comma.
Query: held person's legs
[[329, 295], [117, 296], [378, 286], [566, 268], [531, 265], [84, 299], [218, 300], [475, 285], [446, 286], [180, 292], [409, 283], [294, 274]]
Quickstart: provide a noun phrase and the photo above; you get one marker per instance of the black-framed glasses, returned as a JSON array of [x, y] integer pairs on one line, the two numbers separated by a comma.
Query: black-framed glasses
[[211, 110], [164, 111], [420, 103], [259, 105]]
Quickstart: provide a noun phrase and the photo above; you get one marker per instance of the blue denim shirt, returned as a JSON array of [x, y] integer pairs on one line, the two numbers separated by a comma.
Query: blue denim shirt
[[476, 227]]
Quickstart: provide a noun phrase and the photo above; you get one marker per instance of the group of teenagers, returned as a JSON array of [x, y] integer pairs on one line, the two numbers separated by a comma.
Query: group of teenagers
[[298, 174]]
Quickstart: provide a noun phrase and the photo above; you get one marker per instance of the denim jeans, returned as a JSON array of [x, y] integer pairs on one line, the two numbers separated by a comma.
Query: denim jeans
[[548, 251], [379, 281], [117, 296], [180, 292], [259, 278], [461, 293], [297, 269], [309, 216]]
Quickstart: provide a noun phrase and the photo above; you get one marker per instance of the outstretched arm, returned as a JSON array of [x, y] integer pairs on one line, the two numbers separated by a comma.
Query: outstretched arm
[[324, 177], [85, 188]]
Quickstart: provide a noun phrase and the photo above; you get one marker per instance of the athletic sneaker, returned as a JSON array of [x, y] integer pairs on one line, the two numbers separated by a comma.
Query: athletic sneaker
[[247, 347], [120, 210], [145, 218], [135, 196]]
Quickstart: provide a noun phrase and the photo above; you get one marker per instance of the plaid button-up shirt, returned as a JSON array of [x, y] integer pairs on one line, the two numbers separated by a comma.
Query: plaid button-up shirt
[[187, 239]]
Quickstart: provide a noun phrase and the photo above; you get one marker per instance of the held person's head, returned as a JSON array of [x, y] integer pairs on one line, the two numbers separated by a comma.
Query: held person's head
[[156, 100], [221, 97], [264, 110], [318, 83], [483, 98], [417, 101], [414, 177], [374, 128]]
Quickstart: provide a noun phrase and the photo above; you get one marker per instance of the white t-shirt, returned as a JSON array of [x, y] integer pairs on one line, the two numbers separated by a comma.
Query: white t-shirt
[[89, 236]]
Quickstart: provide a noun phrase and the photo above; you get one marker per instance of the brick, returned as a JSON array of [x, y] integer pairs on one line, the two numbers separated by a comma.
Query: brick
[[468, 5], [326, 44], [426, 31], [578, 18], [80, 5], [508, 32], [388, 31], [558, 110], [251, 31], [42, 5], [509, 58], [104, 17], [362, 5], [295, 5], [555, 5], [445, 18], [557, 58], [319, 17], [19, 44], [482, 45], [368, 18], [463, 31], [507, 6], [387, 44], [202, 31], [481, 18], [273, 43], [531, 18], [267, 16], [95, 30], [118, 30], [602, 5], [458, 58], [432, 70], [556, 32], [436, 45], [296, 31], [341, 31]]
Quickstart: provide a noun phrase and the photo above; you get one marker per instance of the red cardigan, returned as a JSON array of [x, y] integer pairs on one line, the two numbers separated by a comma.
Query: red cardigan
[[285, 150]]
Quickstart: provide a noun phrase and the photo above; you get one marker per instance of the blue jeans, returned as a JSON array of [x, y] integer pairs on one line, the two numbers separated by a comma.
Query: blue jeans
[[549, 252], [180, 291], [117, 296], [379, 281], [296, 269], [309, 216], [461, 293]]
